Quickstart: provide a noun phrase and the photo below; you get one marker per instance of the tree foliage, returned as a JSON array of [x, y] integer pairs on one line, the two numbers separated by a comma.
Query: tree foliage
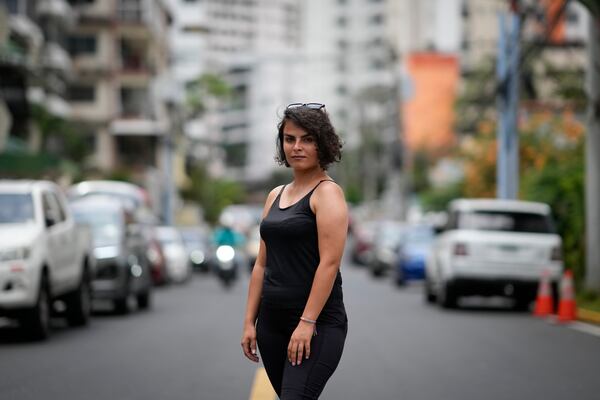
[[213, 194]]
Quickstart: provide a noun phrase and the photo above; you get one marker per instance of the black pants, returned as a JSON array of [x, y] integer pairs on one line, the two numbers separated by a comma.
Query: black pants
[[307, 380]]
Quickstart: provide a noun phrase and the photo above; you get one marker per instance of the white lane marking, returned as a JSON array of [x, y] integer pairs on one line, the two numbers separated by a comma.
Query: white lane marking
[[585, 328]]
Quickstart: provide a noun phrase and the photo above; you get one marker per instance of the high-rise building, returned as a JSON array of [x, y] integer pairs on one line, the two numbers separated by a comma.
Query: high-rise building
[[253, 45], [120, 56], [34, 65]]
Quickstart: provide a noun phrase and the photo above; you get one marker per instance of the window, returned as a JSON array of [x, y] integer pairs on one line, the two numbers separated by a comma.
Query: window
[[505, 221], [572, 16], [377, 64], [80, 2], [235, 154], [12, 6], [129, 10], [52, 214], [84, 44], [60, 211], [342, 44], [16, 208], [83, 93], [376, 19]]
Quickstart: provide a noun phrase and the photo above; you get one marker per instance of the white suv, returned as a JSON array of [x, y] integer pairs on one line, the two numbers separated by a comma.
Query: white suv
[[44, 256], [493, 247]]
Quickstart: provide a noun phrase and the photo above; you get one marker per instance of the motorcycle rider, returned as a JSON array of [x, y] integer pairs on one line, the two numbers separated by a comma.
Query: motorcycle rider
[[227, 241]]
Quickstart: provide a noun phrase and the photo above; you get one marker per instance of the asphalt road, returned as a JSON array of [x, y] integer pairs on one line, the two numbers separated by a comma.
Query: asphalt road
[[187, 347]]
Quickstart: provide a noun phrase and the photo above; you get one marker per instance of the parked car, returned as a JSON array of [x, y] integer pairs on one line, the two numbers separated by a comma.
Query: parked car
[[137, 202], [386, 242], [197, 244], [44, 256], [413, 251], [122, 270], [363, 234], [493, 247], [155, 255], [136, 197], [173, 247]]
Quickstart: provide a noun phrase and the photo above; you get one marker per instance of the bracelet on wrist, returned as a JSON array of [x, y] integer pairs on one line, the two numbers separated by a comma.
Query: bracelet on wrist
[[310, 321]]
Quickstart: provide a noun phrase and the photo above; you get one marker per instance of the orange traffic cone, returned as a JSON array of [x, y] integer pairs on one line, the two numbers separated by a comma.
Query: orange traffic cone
[[543, 303], [567, 309]]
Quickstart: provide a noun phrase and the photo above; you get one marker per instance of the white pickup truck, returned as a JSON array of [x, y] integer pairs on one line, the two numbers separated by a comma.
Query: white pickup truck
[[44, 256]]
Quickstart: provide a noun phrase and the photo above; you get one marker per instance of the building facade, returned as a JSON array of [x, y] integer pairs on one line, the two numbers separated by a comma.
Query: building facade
[[118, 93]]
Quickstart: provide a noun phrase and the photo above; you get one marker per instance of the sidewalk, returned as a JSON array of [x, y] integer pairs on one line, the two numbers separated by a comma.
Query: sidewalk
[[588, 316]]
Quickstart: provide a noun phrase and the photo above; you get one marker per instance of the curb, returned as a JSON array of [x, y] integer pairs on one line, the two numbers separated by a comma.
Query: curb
[[588, 316]]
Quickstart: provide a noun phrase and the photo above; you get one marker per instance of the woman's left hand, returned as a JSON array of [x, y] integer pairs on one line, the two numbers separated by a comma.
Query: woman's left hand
[[299, 345]]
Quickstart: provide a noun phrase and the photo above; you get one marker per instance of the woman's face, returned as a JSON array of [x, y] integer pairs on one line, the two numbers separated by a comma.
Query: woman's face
[[300, 148]]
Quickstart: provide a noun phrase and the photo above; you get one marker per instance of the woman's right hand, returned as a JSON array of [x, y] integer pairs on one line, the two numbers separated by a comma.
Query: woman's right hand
[[249, 342]]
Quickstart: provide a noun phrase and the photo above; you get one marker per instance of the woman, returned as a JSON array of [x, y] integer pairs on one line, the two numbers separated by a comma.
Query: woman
[[295, 310]]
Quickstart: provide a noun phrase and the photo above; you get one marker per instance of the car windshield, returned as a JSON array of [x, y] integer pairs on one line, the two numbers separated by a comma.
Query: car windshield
[[390, 235], [16, 208], [505, 221], [106, 226], [419, 236]]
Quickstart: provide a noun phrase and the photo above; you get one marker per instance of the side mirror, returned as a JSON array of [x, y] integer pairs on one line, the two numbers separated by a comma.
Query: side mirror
[[49, 222]]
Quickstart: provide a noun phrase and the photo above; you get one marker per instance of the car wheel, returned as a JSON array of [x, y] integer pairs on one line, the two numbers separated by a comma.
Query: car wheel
[[400, 281], [122, 305], [144, 300], [376, 271], [79, 303], [522, 303], [430, 297], [447, 297], [37, 320]]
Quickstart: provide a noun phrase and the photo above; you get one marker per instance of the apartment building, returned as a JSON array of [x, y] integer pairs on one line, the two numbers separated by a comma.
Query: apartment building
[[120, 88], [253, 44], [34, 65]]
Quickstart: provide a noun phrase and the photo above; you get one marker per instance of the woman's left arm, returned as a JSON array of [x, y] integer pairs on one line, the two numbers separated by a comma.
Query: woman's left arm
[[331, 213]]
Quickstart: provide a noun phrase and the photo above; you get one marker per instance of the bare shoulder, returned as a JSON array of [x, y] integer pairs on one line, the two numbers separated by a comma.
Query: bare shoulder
[[329, 195], [270, 199]]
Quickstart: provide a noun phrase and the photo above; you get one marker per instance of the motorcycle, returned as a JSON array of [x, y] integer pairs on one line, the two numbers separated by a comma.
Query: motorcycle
[[226, 264]]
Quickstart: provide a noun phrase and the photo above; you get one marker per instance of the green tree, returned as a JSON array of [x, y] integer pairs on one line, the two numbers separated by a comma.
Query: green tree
[[211, 193]]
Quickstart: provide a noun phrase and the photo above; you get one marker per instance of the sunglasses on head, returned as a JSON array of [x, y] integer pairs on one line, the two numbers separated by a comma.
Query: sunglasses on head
[[314, 106]]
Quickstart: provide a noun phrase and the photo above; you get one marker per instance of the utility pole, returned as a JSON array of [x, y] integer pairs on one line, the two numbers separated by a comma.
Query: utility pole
[[507, 72], [592, 153]]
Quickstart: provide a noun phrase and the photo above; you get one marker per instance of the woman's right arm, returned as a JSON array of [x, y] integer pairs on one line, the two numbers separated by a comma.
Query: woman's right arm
[[255, 291]]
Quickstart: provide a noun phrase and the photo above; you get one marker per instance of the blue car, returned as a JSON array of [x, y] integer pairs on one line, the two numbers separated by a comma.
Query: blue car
[[416, 244]]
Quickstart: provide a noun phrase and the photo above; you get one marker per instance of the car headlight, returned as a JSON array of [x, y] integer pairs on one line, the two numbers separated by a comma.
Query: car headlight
[[197, 256], [386, 255], [225, 253], [19, 253]]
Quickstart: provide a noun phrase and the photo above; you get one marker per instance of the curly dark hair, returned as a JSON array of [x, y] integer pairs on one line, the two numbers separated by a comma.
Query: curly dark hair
[[317, 124]]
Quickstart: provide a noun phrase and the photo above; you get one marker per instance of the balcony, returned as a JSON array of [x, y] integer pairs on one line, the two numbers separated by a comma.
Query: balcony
[[137, 115], [138, 127], [56, 58], [58, 10], [25, 28], [136, 68], [99, 10]]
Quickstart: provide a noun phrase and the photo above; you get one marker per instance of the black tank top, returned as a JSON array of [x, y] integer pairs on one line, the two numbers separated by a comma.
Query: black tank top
[[291, 239]]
